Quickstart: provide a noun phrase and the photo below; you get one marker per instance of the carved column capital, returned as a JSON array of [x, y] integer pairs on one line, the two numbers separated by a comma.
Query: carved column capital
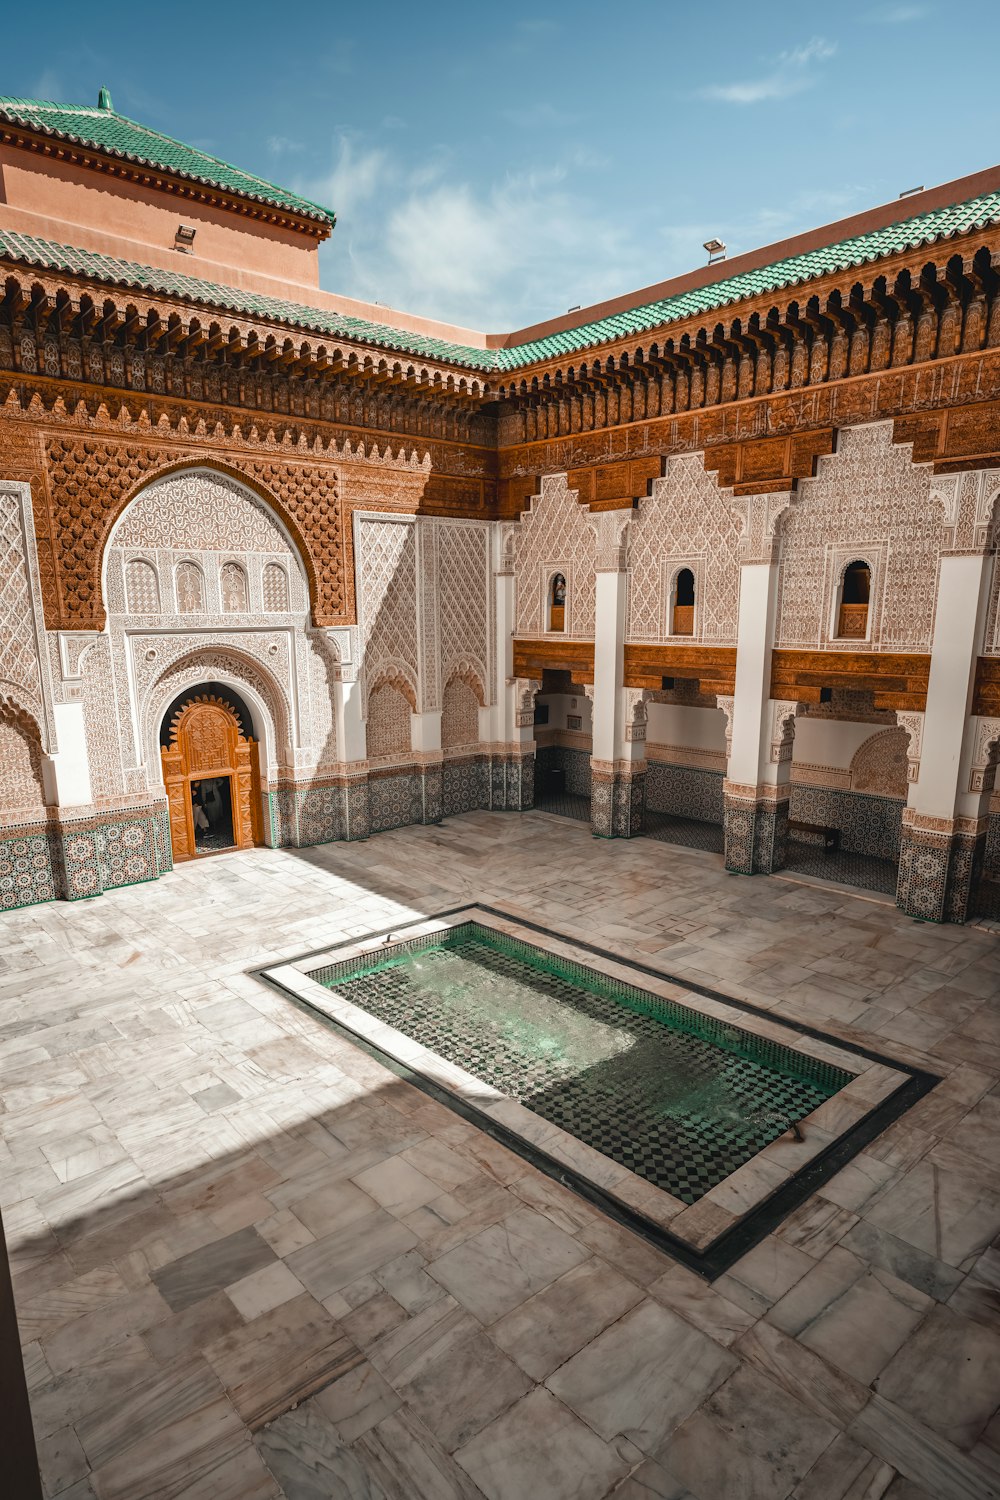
[[913, 723], [969, 508], [611, 529], [760, 515]]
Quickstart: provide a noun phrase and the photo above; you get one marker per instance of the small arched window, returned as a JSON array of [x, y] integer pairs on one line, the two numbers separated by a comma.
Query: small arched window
[[141, 588], [190, 589], [275, 589], [557, 602], [682, 606], [855, 594], [233, 583]]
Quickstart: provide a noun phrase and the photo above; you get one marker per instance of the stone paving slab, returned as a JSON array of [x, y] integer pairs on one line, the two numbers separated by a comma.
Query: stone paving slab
[[250, 1262]]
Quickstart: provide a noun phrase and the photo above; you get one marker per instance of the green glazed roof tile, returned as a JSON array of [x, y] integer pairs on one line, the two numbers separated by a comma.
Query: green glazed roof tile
[[90, 263], [797, 270], [116, 135]]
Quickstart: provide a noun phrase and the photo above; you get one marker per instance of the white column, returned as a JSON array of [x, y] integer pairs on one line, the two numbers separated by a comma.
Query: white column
[[504, 712], [609, 667], [66, 775], [617, 760], [756, 789], [352, 747], [425, 734], [751, 737], [959, 622]]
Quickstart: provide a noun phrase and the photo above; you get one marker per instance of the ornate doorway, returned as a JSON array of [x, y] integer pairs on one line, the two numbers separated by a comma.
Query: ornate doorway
[[212, 776]]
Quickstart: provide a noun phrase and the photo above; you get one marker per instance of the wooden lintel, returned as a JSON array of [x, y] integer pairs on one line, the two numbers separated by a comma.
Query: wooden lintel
[[713, 667], [533, 657], [955, 439], [986, 691], [764, 465], [896, 679]]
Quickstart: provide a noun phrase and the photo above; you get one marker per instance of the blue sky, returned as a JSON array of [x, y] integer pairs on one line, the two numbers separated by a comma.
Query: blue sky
[[494, 165]]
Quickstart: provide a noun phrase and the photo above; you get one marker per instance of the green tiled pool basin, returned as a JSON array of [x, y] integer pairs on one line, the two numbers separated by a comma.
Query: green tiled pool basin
[[677, 1097]]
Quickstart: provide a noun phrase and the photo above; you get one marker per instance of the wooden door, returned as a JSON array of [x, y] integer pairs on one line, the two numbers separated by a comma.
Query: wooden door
[[206, 742]]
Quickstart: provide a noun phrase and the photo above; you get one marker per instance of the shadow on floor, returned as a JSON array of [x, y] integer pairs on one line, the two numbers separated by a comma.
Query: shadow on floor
[[842, 865], [692, 833], [565, 805]]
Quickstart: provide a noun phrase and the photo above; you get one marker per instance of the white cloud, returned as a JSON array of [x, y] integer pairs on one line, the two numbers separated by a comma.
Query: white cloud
[[508, 253], [356, 175], [791, 73], [283, 145], [899, 15], [49, 86]]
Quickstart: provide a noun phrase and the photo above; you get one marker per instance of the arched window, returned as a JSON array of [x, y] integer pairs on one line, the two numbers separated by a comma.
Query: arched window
[[233, 584], [275, 589], [141, 588], [682, 604], [190, 589], [557, 602], [855, 592]]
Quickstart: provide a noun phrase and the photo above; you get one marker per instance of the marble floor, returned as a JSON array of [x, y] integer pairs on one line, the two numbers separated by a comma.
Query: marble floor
[[252, 1263]]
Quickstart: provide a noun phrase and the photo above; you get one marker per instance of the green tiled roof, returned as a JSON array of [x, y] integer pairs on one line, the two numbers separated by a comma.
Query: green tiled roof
[[116, 135], [906, 234], [797, 270], [55, 257]]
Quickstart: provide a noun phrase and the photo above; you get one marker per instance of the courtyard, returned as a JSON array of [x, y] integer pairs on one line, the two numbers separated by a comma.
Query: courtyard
[[252, 1262]]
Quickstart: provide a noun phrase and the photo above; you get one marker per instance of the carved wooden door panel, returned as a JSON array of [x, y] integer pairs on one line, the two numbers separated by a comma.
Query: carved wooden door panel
[[179, 805], [243, 797], [206, 743], [256, 789]]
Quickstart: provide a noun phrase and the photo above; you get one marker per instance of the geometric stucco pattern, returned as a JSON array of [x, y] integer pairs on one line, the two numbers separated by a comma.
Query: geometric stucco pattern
[[880, 764], [90, 480], [387, 602], [870, 502], [20, 762], [687, 520], [388, 726], [464, 589], [459, 716], [19, 662], [556, 534]]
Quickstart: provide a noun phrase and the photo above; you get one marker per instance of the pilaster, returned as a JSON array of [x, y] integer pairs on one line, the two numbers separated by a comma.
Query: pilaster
[[760, 729], [945, 819], [618, 757]]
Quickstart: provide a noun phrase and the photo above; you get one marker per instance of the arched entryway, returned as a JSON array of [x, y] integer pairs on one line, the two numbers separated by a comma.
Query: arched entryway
[[211, 771]]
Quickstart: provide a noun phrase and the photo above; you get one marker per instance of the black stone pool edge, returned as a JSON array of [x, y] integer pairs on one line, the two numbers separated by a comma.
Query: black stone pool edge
[[754, 1226]]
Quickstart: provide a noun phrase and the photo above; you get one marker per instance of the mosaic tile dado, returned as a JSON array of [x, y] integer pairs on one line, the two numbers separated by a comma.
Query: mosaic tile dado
[[868, 824], [464, 785], [685, 792], [706, 1175], [82, 857]]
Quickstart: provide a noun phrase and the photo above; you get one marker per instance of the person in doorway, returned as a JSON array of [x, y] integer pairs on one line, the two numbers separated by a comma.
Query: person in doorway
[[201, 823]]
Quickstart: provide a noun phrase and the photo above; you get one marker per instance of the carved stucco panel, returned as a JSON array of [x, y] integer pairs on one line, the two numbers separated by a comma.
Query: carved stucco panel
[[687, 521], [867, 495], [556, 534]]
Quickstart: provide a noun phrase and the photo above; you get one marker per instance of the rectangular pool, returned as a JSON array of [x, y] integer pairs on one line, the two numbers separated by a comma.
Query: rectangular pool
[[681, 1109], [679, 1099]]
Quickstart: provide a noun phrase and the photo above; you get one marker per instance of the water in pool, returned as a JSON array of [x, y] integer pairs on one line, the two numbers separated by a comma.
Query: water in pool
[[680, 1099]]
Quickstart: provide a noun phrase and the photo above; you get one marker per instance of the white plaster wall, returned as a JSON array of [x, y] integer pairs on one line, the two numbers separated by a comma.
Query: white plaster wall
[[680, 724], [561, 704], [829, 742]]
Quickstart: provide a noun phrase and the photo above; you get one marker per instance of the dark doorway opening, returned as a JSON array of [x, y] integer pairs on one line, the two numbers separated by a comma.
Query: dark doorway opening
[[212, 811]]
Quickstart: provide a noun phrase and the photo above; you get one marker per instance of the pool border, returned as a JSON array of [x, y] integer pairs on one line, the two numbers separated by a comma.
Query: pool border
[[696, 1246]]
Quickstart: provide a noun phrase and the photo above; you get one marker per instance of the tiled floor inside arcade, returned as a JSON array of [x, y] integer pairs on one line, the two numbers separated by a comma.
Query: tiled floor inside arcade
[[251, 1262]]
